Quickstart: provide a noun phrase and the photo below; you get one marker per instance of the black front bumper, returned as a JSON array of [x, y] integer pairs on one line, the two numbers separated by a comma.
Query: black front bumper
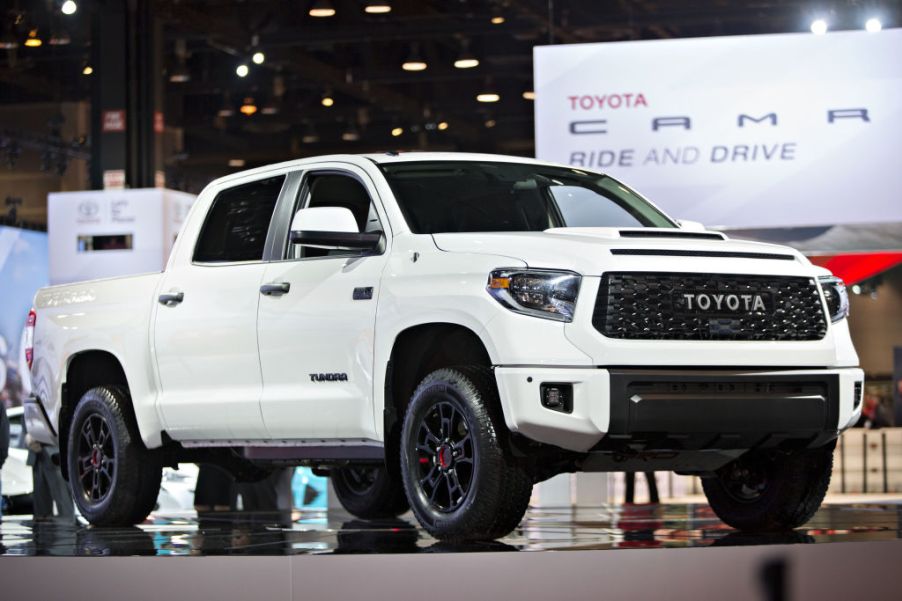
[[693, 410]]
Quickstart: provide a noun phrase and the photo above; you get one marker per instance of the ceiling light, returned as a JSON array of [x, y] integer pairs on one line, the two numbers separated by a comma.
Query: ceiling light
[[466, 62], [443, 125], [258, 58], [321, 9], [414, 61], [8, 41], [328, 101], [242, 70], [376, 7], [236, 162], [490, 123], [87, 70], [69, 7], [818, 27], [873, 25], [248, 108], [497, 20], [529, 95], [488, 97], [59, 37], [180, 74], [414, 66], [397, 131], [33, 41]]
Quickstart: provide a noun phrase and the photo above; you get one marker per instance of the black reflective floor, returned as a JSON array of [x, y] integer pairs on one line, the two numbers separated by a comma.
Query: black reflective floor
[[613, 527]]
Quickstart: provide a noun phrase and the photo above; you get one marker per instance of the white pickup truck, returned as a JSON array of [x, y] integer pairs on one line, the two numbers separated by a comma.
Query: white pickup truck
[[441, 331]]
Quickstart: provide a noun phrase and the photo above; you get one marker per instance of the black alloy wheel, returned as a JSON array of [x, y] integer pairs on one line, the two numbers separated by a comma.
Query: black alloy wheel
[[96, 459], [369, 491], [771, 491], [114, 478], [462, 481], [446, 461]]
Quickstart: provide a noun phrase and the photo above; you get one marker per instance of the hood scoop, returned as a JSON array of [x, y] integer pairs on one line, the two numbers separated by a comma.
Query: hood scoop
[[662, 233]]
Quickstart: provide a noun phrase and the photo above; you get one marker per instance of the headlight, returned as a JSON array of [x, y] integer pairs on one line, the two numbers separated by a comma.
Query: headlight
[[536, 292], [835, 296]]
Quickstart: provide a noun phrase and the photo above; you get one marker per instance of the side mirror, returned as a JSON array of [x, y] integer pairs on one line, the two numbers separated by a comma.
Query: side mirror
[[691, 226], [332, 228]]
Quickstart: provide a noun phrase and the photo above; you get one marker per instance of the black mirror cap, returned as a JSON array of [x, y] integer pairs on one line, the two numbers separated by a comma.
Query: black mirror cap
[[338, 240]]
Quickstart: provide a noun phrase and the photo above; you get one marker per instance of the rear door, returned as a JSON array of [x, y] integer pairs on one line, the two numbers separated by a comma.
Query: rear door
[[205, 336]]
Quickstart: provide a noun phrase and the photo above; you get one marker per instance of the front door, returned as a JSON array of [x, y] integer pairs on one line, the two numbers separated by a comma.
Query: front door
[[205, 336], [316, 339]]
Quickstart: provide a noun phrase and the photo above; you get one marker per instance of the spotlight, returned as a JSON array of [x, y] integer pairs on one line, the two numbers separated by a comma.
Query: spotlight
[[248, 108], [258, 58], [322, 9], [818, 27], [873, 25], [242, 70], [69, 7], [488, 97], [236, 162], [497, 20], [529, 95], [350, 136], [443, 125], [377, 7], [33, 41], [397, 131], [327, 101], [490, 123], [87, 70]]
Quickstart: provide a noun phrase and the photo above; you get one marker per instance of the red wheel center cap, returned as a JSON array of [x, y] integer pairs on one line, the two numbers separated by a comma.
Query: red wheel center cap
[[96, 457], [444, 456]]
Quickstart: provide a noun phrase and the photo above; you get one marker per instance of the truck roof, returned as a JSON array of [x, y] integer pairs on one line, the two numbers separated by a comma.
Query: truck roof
[[387, 158]]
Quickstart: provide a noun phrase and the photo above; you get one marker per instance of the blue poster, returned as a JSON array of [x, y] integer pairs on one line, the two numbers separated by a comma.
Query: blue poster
[[23, 269]]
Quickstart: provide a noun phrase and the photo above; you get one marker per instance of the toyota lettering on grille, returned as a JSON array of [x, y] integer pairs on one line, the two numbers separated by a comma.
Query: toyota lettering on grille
[[723, 303]]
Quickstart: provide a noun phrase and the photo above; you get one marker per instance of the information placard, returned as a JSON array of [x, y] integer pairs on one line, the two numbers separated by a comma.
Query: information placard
[[754, 131]]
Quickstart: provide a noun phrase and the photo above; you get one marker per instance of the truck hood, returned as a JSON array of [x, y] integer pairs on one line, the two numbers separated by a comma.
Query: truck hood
[[591, 251]]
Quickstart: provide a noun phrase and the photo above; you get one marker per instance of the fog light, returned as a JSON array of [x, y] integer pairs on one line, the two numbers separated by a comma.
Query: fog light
[[557, 397]]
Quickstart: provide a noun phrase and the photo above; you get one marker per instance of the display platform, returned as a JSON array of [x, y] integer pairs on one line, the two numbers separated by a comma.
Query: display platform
[[664, 526], [682, 549]]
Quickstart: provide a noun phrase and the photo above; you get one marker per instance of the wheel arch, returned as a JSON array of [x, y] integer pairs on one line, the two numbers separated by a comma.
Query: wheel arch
[[417, 351], [86, 370]]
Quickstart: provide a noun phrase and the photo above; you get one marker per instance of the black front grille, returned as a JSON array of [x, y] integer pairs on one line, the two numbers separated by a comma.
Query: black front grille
[[702, 306]]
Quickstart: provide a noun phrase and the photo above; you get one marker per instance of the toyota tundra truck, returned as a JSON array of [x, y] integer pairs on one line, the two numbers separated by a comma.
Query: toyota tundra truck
[[439, 332]]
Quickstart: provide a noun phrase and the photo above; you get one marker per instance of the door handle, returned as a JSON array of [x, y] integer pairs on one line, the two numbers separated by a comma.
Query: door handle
[[170, 299], [275, 289]]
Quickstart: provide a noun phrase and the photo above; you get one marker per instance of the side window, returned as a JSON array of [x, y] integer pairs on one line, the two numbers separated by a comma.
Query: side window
[[332, 190], [236, 226]]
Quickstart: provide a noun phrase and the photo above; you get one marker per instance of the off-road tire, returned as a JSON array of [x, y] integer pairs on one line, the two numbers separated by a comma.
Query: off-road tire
[[498, 489], [779, 491], [369, 492], [128, 480]]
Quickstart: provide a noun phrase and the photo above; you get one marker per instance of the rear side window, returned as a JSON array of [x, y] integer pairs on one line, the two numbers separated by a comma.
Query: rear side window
[[236, 226]]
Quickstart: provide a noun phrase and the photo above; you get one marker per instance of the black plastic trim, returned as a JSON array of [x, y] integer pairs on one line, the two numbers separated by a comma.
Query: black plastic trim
[[344, 240], [667, 252], [704, 409], [674, 234]]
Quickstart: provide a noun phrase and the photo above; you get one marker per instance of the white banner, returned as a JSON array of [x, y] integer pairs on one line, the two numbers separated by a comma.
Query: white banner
[[755, 131]]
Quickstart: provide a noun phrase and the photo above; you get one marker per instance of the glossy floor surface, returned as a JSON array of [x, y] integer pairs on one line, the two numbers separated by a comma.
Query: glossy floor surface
[[335, 532]]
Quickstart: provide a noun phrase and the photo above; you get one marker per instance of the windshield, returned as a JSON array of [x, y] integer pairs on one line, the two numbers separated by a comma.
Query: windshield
[[475, 196]]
